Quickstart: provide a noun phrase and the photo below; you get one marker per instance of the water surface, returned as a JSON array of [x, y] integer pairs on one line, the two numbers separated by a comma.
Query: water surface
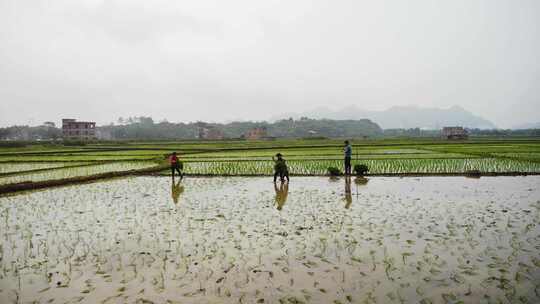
[[317, 240]]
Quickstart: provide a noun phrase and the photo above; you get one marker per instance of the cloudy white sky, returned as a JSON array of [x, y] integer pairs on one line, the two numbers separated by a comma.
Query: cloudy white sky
[[235, 59]]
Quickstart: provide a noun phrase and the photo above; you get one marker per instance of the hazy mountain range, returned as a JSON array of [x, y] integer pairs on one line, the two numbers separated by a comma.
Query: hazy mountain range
[[527, 126], [403, 117]]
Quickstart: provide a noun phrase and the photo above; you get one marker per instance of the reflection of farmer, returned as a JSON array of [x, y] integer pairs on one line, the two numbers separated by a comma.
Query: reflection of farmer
[[347, 150], [176, 190], [348, 195], [360, 180], [281, 194], [280, 168], [175, 165]]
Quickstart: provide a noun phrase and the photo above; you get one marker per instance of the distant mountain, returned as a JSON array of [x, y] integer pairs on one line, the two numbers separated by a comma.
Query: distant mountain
[[527, 126], [404, 117]]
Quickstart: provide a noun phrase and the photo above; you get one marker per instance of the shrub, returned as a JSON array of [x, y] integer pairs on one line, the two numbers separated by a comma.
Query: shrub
[[333, 171], [361, 169]]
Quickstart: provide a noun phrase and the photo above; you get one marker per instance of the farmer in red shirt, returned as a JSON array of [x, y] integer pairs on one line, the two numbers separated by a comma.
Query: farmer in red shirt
[[175, 165]]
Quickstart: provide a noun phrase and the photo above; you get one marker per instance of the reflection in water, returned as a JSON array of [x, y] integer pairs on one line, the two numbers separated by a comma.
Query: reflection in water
[[176, 190], [333, 178], [348, 195], [360, 180], [281, 194]]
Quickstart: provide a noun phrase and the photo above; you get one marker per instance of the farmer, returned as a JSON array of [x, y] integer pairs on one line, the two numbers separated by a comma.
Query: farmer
[[280, 168], [347, 150], [175, 165]]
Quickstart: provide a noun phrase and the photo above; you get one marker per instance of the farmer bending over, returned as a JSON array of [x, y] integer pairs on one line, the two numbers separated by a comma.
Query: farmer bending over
[[175, 165], [280, 168]]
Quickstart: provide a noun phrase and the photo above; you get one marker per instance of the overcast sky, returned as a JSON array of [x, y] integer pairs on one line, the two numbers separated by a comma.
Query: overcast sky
[[252, 60]]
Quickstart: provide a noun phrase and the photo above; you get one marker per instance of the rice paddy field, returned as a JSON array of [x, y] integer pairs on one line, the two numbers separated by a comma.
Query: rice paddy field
[[305, 157], [145, 239], [419, 228], [73, 171]]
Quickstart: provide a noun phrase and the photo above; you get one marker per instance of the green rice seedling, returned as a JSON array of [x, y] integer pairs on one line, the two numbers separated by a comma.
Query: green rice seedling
[[75, 172], [390, 166], [333, 171], [360, 169], [13, 167]]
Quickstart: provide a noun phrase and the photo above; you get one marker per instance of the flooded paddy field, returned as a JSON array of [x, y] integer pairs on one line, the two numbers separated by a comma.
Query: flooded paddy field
[[244, 240]]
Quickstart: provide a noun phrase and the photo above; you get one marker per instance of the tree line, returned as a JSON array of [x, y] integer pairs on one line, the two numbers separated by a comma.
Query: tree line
[[144, 128]]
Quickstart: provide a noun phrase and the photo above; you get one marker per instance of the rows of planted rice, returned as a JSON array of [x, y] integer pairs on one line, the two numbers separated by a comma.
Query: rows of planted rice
[[74, 158], [522, 156], [127, 152], [18, 167], [484, 165], [75, 172], [306, 152], [330, 157], [477, 148], [304, 157], [386, 166]]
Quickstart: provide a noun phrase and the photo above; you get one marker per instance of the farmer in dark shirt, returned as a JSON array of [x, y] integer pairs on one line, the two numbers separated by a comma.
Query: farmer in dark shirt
[[347, 150], [175, 165], [280, 168]]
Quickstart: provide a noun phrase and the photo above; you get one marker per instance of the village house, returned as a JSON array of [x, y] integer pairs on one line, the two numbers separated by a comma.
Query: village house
[[210, 133], [78, 130], [454, 133], [256, 133]]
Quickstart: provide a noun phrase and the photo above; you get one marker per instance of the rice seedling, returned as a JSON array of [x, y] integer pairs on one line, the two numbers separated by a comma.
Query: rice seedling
[[305, 157], [75, 171], [389, 166], [18, 167]]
